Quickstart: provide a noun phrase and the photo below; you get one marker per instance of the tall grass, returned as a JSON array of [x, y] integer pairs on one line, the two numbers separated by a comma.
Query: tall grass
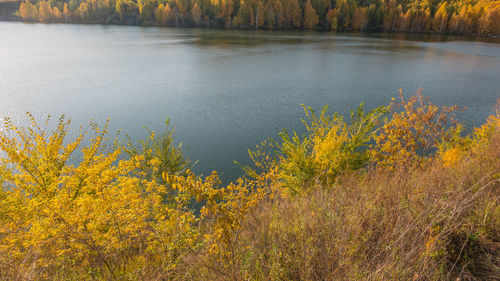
[[434, 223]]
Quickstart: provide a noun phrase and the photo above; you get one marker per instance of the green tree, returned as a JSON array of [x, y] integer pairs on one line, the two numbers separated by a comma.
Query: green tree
[[161, 147]]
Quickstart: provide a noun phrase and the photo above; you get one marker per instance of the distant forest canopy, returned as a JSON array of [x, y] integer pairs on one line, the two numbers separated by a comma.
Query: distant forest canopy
[[420, 16]]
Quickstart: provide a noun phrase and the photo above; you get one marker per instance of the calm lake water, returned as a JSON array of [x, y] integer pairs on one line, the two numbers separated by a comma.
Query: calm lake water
[[226, 91]]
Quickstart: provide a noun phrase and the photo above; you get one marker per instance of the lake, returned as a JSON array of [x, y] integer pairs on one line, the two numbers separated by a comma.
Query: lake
[[226, 91]]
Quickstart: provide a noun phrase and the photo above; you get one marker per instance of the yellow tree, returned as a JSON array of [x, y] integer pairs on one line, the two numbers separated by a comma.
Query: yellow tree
[[293, 13], [163, 13], [332, 18], [83, 11], [280, 14], [28, 11], [415, 128], [490, 19], [360, 18], [96, 218], [458, 21], [391, 16], [66, 13], [405, 21], [259, 15], [225, 10], [440, 21], [44, 12], [120, 8], [196, 13], [146, 10], [56, 14], [270, 14], [23, 11], [311, 19], [245, 14]]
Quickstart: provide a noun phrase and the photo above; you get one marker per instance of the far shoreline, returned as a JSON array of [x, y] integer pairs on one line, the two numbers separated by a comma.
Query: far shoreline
[[408, 36]]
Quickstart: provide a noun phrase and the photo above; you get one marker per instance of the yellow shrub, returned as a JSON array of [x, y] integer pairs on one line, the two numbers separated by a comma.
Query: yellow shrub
[[451, 156], [95, 215], [415, 128], [330, 147], [224, 209], [483, 134]]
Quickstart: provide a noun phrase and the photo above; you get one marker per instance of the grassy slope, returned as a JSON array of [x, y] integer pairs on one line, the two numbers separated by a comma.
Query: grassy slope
[[411, 224], [438, 220]]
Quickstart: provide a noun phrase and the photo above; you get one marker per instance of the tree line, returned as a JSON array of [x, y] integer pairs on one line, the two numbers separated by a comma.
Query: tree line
[[454, 17]]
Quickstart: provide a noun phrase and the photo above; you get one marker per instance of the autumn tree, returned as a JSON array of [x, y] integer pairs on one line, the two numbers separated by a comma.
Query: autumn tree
[[457, 17], [490, 19], [311, 19], [360, 20], [66, 13], [224, 10], [320, 8], [440, 21], [332, 19], [270, 14], [83, 11], [44, 11], [259, 16], [280, 14], [392, 16], [146, 10], [28, 11], [56, 14], [405, 21], [245, 15], [293, 13], [163, 13], [120, 8], [346, 13], [196, 13]]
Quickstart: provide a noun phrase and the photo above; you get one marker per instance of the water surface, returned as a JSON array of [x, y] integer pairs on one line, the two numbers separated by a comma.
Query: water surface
[[225, 91]]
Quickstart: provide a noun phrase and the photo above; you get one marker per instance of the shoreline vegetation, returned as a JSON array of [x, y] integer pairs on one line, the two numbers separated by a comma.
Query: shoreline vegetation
[[461, 17], [398, 192]]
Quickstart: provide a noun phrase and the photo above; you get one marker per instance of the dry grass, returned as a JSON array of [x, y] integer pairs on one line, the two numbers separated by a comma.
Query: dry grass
[[433, 223]]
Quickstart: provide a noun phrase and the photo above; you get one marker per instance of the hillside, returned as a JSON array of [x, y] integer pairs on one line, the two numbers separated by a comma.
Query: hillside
[[395, 193]]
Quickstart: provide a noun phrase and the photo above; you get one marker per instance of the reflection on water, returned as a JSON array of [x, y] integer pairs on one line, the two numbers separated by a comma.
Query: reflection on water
[[225, 91]]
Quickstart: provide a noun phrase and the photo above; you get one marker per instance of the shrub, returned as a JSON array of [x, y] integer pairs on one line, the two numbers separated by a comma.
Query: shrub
[[401, 197]]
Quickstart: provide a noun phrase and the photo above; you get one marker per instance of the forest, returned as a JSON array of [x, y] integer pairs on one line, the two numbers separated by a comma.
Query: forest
[[417, 16], [399, 192]]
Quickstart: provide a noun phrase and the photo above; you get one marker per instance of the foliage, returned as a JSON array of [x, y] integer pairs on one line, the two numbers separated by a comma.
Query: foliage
[[375, 196], [311, 19], [94, 217], [159, 155], [330, 147], [435, 220], [224, 210], [454, 17], [415, 128]]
